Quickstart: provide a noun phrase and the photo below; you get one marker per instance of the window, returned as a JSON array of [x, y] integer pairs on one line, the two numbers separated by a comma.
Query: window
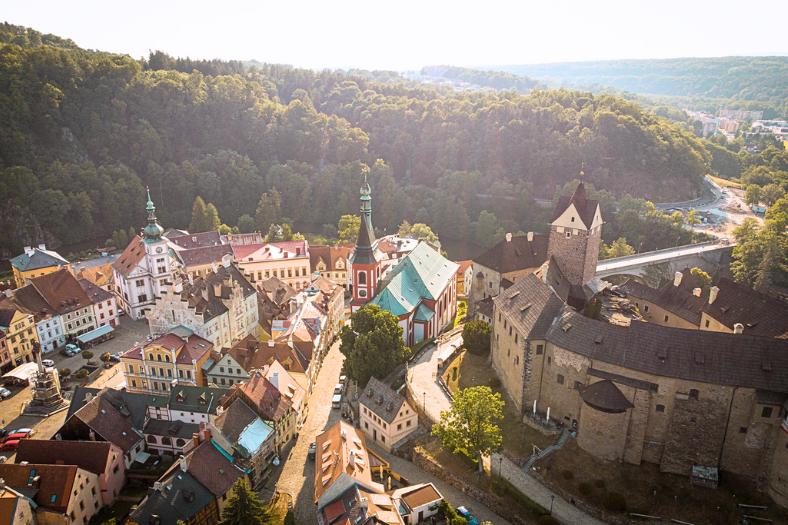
[[515, 338], [140, 283], [766, 412], [362, 278], [221, 369], [115, 469], [151, 439], [660, 408], [166, 441], [742, 430], [578, 385], [408, 423], [539, 349], [568, 234], [694, 393], [707, 323], [366, 425], [382, 438], [560, 379], [517, 360], [142, 298], [399, 426], [666, 318], [645, 308], [549, 360], [52, 498]]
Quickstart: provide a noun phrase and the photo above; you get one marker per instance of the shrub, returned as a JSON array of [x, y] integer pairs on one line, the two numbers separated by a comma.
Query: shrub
[[87, 354], [599, 483], [547, 519], [65, 372], [567, 474], [290, 518], [614, 502], [585, 488], [92, 362], [105, 357], [81, 373]]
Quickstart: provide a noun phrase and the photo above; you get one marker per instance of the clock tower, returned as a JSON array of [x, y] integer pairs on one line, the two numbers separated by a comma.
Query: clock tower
[[364, 265]]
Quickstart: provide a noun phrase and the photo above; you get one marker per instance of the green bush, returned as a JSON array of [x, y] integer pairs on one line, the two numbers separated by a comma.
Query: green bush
[[585, 488], [567, 474], [92, 362], [65, 372], [547, 520], [81, 373], [290, 518], [614, 502], [87, 354], [105, 357]]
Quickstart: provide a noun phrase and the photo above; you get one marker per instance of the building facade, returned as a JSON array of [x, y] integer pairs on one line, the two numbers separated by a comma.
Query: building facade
[[220, 306], [20, 334], [144, 268], [385, 416], [331, 262], [286, 260], [166, 361], [35, 262]]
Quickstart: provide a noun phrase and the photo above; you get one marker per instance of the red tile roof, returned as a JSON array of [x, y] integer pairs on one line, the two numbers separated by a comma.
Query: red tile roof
[[92, 456], [62, 291], [53, 480], [132, 255]]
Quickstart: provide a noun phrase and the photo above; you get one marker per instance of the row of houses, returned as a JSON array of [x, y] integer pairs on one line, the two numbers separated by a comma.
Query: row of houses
[[49, 311]]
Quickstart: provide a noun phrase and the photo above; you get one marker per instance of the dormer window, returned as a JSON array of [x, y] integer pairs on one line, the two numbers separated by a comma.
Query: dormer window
[[572, 219]]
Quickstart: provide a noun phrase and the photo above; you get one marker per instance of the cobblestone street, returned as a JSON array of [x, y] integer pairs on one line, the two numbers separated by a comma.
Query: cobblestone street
[[297, 475]]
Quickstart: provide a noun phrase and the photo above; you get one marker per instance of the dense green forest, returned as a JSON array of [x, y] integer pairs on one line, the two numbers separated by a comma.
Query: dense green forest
[[491, 79], [725, 79], [83, 132]]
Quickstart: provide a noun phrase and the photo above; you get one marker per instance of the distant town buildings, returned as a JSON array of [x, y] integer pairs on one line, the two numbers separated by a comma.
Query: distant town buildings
[[287, 260]]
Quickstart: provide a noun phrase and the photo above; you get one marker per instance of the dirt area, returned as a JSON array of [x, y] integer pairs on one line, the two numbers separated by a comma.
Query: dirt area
[[648, 491], [518, 438]]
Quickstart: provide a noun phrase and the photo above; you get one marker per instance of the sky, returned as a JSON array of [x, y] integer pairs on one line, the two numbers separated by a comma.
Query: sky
[[407, 34]]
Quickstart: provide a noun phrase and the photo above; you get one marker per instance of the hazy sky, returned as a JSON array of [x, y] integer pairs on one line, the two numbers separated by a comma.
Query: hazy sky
[[407, 34]]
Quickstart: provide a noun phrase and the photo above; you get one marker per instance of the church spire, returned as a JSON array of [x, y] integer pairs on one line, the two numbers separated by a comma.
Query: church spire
[[366, 233], [152, 231], [366, 202]]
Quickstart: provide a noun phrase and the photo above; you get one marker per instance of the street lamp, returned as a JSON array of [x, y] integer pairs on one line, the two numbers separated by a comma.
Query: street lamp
[[552, 498]]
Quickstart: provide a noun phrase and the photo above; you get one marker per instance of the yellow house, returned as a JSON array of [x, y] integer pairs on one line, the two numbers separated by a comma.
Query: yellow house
[[176, 356], [20, 334], [35, 262]]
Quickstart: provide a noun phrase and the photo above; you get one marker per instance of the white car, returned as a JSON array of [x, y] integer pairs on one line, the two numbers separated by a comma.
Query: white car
[[4, 393], [48, 362]]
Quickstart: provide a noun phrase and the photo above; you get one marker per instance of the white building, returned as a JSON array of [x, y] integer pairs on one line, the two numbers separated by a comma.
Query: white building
[[220, 306], [421, 501], [385, 416], [144, 268], [105, 309]]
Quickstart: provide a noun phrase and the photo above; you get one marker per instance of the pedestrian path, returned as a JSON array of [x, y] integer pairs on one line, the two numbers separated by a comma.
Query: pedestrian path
[[533, 458]]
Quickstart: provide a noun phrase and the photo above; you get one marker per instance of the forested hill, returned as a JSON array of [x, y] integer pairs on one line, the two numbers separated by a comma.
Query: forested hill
[[83, 132], [490, 79], [739, 78]]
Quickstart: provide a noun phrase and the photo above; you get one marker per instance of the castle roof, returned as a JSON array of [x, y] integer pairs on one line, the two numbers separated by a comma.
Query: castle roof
[[585, 207], [516, 254], [364, 252], [605, 396]]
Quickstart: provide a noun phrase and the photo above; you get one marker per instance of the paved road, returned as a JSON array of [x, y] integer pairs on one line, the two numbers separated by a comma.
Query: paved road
[[422, 378], [298, 473], [414, 474], [564, 511]]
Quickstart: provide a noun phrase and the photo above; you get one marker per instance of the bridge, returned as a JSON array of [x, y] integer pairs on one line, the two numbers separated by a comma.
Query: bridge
[[705, 255]]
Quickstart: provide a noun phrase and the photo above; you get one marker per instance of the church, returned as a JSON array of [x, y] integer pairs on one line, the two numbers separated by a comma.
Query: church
[[419, 289]]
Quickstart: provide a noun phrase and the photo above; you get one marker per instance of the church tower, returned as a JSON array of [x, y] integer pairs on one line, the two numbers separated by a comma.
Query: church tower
[[365, 267], [575, 234]]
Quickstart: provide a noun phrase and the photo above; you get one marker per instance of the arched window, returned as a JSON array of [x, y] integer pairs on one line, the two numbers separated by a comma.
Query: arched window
[[151, 439], [166, 441], [167, 358], [362, 278], [180, 442], [158, 357]]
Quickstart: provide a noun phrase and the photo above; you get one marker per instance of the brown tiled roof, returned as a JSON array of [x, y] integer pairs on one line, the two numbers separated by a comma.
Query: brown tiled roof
[[208, 466], [329, 255], [605, 396], [204, 255], [759, 313], [61, 290], [517, 254], [9, 499], [335, 455], [109, 422], [485, 307], [264, 397], [585, 207], [530, 305], [695, 355], [381, 400], [29, 300], [54, 480], [235, 418], [422, 495], [132, 255], [96, 294], [202, 296], [92, 456], [251, 354], [100, 275]]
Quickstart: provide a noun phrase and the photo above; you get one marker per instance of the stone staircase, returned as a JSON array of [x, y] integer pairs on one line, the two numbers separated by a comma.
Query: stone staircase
[[533, 458]]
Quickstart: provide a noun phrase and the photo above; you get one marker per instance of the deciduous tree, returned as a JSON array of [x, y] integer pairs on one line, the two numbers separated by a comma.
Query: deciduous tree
[[347, 228], [476, 337], [372, 344]]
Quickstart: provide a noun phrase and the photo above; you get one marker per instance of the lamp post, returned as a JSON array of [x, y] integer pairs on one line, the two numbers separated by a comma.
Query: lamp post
[[552, 498], [424, 403], [500, 464]]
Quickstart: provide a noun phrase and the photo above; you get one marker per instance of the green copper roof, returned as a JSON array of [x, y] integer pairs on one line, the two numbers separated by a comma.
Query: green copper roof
[[424, 313], [423, 274], [153, 230]]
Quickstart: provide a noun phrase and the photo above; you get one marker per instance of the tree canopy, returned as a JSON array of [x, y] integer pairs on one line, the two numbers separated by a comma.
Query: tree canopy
[[760, 257], [244, 506], [372, 344], [476, 337]]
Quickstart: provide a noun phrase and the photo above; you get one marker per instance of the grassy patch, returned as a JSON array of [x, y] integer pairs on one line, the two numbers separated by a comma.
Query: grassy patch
[[725, 183], [620, 487], [462, 311]]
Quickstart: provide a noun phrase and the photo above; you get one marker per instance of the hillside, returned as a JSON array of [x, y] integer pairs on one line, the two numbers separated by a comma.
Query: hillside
[[762, 79], [83, 132], [482, 79]]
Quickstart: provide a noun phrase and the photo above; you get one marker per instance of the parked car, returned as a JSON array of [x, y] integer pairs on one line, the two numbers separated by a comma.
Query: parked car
[[336, 401], [312, 450], [16, 437], [47, 362], [9, 444], [465, 513], [71, 349], [342, 380], [5, 393], [26, 431], [339, 388], [3, 432], [115, 358]]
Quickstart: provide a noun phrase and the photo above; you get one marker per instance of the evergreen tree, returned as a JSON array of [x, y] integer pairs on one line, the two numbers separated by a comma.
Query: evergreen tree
[[244, 507], [269, 208], [212, 219], [246, 223], [199, 221]]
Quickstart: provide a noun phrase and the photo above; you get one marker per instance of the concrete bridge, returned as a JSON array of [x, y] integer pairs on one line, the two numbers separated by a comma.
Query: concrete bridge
[[708, 256]]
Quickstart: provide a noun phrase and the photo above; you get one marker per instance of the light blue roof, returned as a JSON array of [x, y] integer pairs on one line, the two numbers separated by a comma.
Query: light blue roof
[[423, 274], [94, 334], [254, 435], [424, 313], [38, 259]]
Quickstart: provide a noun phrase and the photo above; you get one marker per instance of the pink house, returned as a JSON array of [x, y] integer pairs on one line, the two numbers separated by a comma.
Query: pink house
[[99, 457]]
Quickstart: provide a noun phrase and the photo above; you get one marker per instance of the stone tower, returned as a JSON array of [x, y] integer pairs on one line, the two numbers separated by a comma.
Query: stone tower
[[365, 266], [575, 234]]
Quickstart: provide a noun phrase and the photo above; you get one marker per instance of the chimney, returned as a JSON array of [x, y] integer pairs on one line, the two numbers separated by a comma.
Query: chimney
[[677, 278], [42, 246], [696, 292], [713, 291], [509, 237], [530, 236], [274, 379], [157, 486], [738, 328], [29, 250], [214, 267], [217, 289], [270, 343], [226, 260], [184, 464]]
